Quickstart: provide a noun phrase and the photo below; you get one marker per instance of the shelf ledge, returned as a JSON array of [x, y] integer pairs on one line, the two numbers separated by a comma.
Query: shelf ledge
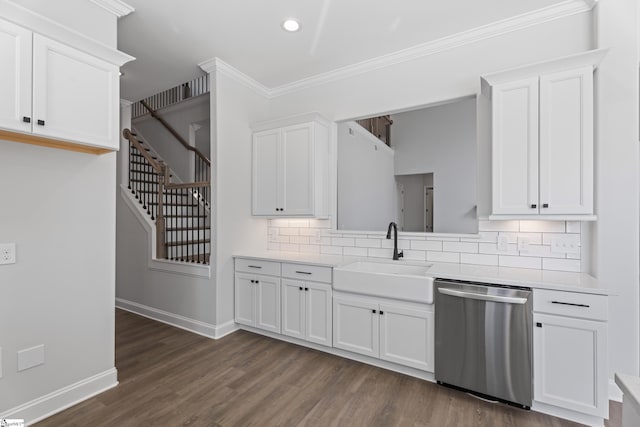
[[42, 141]]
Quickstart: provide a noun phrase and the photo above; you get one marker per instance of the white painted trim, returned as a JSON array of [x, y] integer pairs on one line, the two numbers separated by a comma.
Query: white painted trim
[[498, 28], [615, 393], [63, 398], [556, 411], [117, 7], [218, 65], [35, 22], [167, 266], [578, 60], [536, 17], [196, 326], [290, 121], [125, 102]]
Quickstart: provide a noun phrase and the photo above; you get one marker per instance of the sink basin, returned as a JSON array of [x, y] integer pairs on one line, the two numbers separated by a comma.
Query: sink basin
[[387, 268], [384, 279]]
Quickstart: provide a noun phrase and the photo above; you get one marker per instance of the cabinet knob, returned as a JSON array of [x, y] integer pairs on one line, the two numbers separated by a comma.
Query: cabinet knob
[[538, 325], [306, 289], [26, 119], [300, 288], [381, 312], [40, 122], [373, 311], [545, 205], [533, 206]]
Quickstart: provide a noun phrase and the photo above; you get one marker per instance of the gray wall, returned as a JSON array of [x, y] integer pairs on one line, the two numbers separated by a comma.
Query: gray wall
[[366, 186], [442, 140]]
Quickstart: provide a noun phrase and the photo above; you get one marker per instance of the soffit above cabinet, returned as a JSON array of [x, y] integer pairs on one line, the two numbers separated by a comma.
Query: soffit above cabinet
[[37, 23], [590, 57]]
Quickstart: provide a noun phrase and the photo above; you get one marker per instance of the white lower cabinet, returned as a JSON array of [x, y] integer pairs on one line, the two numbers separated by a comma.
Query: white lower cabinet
[[391, 331], [570, 352], [306, 311], [258, 301]]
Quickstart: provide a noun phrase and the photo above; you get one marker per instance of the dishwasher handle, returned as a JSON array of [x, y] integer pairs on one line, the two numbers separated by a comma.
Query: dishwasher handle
[[482, 297]]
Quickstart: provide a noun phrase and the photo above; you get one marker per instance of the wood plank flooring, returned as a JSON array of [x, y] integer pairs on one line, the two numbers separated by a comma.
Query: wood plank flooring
[[170, 377]]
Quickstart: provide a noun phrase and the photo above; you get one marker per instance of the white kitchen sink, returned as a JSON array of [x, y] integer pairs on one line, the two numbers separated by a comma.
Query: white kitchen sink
[[384, 279]]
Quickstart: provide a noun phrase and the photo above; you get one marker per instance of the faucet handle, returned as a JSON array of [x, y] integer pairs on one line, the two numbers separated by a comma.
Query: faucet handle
[[401, 254]]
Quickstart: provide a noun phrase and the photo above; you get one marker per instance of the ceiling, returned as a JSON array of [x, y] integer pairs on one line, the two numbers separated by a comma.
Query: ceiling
[[170, 38]]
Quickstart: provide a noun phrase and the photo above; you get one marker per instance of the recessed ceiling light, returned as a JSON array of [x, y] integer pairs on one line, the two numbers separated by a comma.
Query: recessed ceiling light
[[291, 25]]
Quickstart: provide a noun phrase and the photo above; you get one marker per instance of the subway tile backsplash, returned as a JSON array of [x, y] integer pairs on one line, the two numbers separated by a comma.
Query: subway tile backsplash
[[523, 244]]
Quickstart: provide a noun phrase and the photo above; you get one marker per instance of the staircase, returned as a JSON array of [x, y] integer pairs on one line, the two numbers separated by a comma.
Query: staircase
[[180, 209]]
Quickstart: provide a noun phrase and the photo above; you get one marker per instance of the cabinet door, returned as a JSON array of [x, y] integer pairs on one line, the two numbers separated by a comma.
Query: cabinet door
[[297, 169], [406, 336], [566, 142], [245, 299], [515, 147], [15, 84], [318, 313], [75, 95], [570, 363], [265, 173], [293, 308], [355, 326], [268, 303]]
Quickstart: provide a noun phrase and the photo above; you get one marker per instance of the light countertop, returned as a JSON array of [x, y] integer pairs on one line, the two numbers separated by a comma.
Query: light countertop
[[532, 278], [630, 386]]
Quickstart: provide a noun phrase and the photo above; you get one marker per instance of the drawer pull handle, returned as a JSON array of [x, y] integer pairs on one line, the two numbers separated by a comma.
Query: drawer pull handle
[[40, 122], [570, 303], [533, 206], [303, 272], [254, 266], [26, 119]]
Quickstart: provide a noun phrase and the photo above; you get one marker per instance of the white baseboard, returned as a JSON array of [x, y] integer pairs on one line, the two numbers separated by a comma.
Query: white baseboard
[[61, 399], [615, 393], [196, 326]]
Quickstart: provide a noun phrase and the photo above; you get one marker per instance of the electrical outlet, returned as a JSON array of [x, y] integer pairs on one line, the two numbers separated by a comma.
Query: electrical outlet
[[274, 232], [565, 244], [7, 253], [316, 236], [523, 244]]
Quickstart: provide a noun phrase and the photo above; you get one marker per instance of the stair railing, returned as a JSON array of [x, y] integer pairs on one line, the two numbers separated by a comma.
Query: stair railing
[[181, 236], [202, 166]]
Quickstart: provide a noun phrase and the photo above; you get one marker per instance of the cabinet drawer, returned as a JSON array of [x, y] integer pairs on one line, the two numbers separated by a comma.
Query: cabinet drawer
[[270, 268], [572, 304], [307, 272]]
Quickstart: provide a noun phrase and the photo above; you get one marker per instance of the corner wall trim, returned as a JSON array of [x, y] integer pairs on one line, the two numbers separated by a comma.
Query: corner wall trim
[[61, 399], [615, 393], [196, 326]]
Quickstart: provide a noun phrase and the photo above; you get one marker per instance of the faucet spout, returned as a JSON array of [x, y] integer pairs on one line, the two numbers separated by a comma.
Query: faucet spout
[[396, 255]]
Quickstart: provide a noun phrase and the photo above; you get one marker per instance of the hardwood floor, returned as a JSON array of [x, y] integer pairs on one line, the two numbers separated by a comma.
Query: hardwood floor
[[170, 377]]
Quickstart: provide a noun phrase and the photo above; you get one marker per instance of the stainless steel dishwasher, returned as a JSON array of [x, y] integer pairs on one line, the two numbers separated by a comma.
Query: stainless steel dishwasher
[[483, 337]]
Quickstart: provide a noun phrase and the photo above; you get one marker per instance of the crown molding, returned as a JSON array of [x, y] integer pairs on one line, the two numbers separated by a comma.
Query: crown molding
[[117, 7], [536, 17], [218, 65], [35, 22]]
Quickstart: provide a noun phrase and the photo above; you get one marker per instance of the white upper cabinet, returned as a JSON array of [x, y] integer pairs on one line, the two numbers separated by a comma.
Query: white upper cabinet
[[15, 84], [53, 91], [515, 147], [542, 139], [566, 142], [76, 95], [291, 170]]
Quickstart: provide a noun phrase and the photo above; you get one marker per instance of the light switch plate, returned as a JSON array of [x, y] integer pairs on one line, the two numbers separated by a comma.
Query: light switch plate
[[7, 253], [503, 242], [565, 244]]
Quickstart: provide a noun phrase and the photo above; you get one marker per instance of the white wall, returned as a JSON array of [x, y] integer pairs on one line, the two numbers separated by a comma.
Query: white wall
[[60, 212], [615, 243], [179, 116], [442, 140], [367, 197], [233, 109]]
